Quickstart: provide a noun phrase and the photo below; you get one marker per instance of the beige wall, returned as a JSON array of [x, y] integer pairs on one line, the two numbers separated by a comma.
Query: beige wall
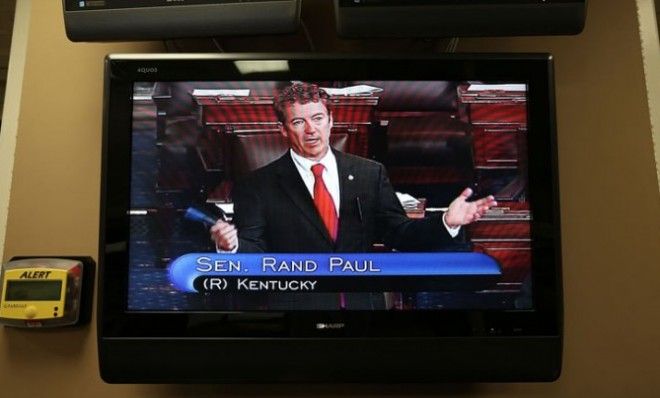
[[609, 193], [648, 14], [10, 112]]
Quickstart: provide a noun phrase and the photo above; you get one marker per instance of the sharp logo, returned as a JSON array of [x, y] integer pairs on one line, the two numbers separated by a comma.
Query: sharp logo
[[337, 325], [147, 70]]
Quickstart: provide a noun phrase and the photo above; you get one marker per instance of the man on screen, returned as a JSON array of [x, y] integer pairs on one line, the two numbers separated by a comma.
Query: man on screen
[[317, 199]]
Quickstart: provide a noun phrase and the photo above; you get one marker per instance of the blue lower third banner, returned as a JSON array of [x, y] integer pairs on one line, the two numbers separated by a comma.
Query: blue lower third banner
[[350, 272]]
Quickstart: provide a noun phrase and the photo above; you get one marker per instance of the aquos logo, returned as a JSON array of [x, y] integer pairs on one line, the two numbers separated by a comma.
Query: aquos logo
[[147, 70]]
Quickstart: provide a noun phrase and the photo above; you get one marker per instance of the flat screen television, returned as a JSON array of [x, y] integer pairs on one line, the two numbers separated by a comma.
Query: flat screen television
[[447, 18], [334, 218], [103, 20]]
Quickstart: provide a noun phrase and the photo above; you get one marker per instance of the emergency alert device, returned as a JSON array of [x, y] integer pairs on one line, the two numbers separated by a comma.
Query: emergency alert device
[[46, 292]]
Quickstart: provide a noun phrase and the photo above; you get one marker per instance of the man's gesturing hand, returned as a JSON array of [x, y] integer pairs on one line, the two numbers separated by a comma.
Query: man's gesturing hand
[[224, 235], [462, 212]]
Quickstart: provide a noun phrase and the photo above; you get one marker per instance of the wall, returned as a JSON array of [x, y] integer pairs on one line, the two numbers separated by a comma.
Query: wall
[[609, 194], [648, 14], [10, 112], [6, 25]]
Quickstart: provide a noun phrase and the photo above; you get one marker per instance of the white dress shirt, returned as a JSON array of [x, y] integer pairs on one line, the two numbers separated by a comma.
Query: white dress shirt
[[330, 174]]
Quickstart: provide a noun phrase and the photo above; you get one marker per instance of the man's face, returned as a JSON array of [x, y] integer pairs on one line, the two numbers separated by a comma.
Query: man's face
[[307, 127]]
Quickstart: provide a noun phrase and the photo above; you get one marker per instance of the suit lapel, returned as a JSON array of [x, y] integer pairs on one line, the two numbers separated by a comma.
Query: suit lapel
[[348, 183], [293, 185]]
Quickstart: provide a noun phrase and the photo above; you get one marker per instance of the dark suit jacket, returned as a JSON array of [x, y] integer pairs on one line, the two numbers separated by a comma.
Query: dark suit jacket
[[274, 212]]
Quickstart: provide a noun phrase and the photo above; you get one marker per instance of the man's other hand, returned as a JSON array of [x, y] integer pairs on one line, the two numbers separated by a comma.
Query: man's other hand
[[461, 212], [224, 235]]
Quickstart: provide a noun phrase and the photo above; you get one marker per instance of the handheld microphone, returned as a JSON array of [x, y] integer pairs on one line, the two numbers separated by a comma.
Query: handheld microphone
[[194, 214]]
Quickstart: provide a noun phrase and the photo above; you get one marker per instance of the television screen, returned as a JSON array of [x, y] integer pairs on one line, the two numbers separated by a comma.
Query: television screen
[[332, 199], [405, 160]]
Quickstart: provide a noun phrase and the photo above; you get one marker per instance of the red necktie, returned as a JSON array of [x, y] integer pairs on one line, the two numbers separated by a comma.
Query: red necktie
[[324, 203]]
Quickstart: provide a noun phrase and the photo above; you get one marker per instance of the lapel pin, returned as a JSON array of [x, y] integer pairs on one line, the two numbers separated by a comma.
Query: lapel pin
[[350, 177]]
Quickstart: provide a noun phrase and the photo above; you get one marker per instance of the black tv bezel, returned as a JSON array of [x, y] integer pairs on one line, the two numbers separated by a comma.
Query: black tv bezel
[[459, 18], [484, 345]]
